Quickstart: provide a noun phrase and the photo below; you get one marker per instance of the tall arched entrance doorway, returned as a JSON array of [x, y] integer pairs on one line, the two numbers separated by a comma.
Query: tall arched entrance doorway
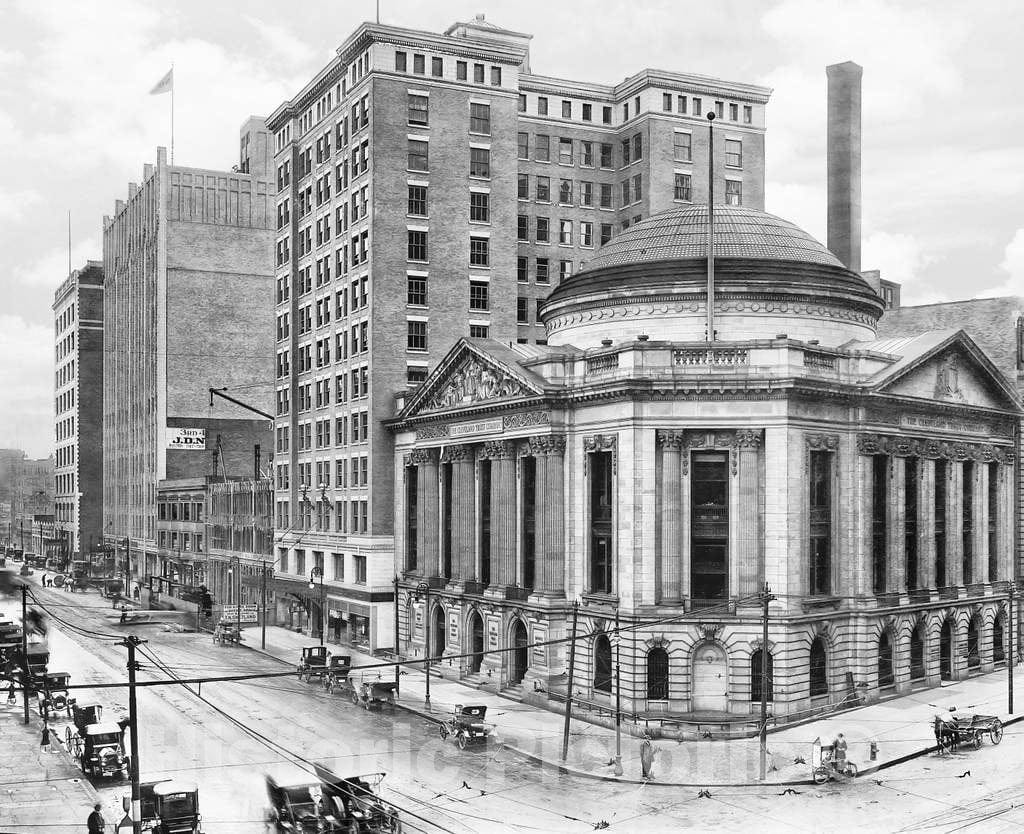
[[946, 651], [476, 641], [710, 678], [520, 655], [437, 632]]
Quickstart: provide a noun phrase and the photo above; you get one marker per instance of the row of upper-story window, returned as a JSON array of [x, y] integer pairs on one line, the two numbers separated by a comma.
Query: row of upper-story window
[[359, 337], [671, 102], [65, 319], [346, 473], [65, 485], [179, 510], [348, 429], [64, 402], [566, 228], [348, 386], [336, 573], [180, 540], [347, 256], [64, 374], [64, 346], [482, 73], [350, 517], [418, 249], [65, 428], [64, 455], [582, 152], [542, 265]]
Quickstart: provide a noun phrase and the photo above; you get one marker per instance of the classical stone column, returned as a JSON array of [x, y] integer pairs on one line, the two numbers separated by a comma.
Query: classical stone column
[[748, 562], [1004, 513], [540, 502], [673, 445], [980, 514], [503, 511], [895, 550], [926, 524], [428, 538], [463, 511], [551, 563], [955, 524]]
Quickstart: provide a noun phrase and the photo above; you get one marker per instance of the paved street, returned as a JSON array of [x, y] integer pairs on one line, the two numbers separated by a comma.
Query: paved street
[[492, 790]]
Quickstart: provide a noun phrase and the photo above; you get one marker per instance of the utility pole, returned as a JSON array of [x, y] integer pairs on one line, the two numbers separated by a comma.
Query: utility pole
[[131, 641], [766, 597], [26, 675], [1009, 660], [618, 700], [569, 690], [398, 681], [263, 605]]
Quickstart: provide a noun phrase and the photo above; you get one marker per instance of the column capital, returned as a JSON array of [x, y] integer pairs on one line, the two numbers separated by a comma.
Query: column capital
[[418, 457], [547, 444], [498, 450], [457, 454], [601, 443]]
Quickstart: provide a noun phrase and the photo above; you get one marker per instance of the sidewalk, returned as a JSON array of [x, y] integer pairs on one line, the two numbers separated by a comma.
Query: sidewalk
[[900, 726], [39, 787]]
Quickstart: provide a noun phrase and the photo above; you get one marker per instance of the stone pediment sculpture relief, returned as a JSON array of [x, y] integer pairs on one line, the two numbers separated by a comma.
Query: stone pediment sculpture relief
[[947, 379], [473, 381]]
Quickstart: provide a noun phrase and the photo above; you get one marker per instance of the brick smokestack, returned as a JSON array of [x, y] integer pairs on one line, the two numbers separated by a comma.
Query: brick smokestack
[[843, 153]]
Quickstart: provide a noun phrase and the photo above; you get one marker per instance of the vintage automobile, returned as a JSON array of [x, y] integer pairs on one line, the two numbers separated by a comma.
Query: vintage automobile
[[336, 676], [295, 804], [82, 715], [960, 730], [466, 725], [353, 804], [313, 663], [99, 751], [37, 660], [52, 695], [111, 588], [168, 806], [227, 634], [373, 693]]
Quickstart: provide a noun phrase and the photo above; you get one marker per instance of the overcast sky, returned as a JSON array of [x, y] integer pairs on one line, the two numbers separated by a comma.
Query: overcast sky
[[943, 117]]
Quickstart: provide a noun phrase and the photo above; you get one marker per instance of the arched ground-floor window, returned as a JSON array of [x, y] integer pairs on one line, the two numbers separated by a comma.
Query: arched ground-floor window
[[756, 674], [657, 674], [818, 668], [602, 663]]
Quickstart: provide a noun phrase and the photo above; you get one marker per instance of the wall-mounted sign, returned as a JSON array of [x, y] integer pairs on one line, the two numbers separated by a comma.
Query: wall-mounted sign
[[479, 427], [178, 438]]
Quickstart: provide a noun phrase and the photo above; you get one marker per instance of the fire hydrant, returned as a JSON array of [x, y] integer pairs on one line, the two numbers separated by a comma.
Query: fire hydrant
[[874, 750]]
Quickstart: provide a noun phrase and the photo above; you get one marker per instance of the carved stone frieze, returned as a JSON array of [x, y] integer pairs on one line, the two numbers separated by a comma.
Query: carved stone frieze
[[474, 381], [455, 454], [747, 438], [710, 631], [826, 442], [671, 439], [497, 450], [900, 446], [431, 432], [526, 419]]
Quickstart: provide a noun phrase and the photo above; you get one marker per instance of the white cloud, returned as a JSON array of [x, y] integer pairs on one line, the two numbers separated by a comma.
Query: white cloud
[[14, 204], [280, 40], [901, 258], [52, 268], [1013, 263], [27, 417]]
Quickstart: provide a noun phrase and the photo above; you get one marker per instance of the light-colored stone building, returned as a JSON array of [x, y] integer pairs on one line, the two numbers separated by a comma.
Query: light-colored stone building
[[664, 479]]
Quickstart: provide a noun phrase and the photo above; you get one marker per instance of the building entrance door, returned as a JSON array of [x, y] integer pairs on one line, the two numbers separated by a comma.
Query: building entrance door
[[476, 631], [710, 679], [521, 655]]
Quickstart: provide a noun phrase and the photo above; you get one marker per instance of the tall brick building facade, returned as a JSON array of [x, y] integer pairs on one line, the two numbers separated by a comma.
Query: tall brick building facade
[[78, 410], [187, 265], [431, 187]]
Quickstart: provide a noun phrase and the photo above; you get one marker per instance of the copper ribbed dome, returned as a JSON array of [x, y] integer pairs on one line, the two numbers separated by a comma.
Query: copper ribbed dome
[[740, 232]]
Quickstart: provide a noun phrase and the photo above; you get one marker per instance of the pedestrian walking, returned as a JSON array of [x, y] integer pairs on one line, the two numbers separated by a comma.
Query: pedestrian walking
[[124, 614], [647, 757], [44, 580], [44, 742], [839, 745], [11, 697], [97, 825]]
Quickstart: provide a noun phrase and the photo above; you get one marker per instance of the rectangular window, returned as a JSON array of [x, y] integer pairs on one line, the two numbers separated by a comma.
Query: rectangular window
[[586, 233], [666, 102], [417, 246], [523, 228], [565, 232], [682, 149], [565, 151], [588, 112], [720, 109], [606, 195], [606, 115], [734, 112], [733, 153], [681, 104], [417, 295], [460, 70], [523, 310], [478, 73], [437, 67], [638, 147], [820, 549], [418, 200], [479, 207], [416, 335], [418, 109], [543, 275], [879, 521], [601, 470], [709, 526], [478, 331], [733, 193], [479, 251], [587, 154], [522, 102], [967, 529], [522, 268], [415, 374], [542, 148], [418, 155], [480, 118], [495, 76], [523, 187], [606, 233], [565, 192], [543, 189], [418, 64], [400, 61], [748, 114], [411, 512], [626, 148], [566, 109], [564, 270], [478, 295], [638, 191], [543, 234], [523, 147], [606, 155], [587, 194], [910, 481], [542, 105], [698, 105], [682, 187], [479, 162]]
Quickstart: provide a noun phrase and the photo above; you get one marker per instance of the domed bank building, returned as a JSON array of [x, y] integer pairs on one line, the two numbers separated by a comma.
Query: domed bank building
[[660, 479]]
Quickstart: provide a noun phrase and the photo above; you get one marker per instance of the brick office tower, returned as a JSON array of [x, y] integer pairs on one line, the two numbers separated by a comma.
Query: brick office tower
[[78, 409], [431, 187], [187, 307]]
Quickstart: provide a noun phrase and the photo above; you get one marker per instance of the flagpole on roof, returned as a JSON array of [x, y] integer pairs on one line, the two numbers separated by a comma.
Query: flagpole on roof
[[711, 227], [172, 113]]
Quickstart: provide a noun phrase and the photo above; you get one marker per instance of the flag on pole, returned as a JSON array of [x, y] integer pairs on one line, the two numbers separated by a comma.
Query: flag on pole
[[165, 84]]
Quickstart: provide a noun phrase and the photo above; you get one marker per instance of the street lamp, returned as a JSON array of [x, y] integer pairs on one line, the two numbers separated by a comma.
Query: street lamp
[[237, 562], [616, 639], [318, 571], [423, 589]]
